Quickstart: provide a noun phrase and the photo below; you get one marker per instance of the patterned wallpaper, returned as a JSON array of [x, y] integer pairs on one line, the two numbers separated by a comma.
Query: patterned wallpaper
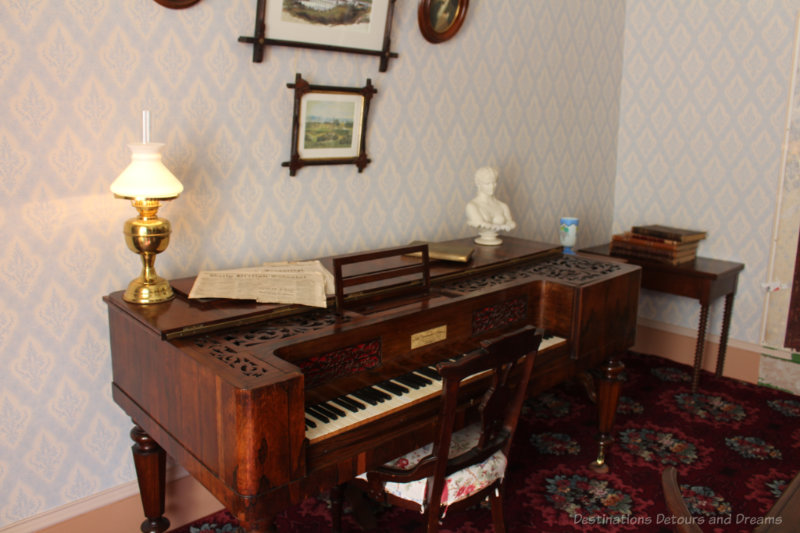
[[788, 216], [704, 96], [530, 86]]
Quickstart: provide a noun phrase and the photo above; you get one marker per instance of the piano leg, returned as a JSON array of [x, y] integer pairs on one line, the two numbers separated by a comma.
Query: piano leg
[[150, 461], [608, 390]]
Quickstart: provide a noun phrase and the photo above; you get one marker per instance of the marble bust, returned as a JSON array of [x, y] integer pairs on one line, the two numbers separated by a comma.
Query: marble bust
[[485, 212]]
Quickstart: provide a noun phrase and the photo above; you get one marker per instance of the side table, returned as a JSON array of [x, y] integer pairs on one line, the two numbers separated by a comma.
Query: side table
[[703, 279]]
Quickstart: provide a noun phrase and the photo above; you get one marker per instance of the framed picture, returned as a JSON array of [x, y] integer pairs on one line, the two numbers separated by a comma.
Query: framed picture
[[440, 20], [177, 4], [358, 26], [329, 125]]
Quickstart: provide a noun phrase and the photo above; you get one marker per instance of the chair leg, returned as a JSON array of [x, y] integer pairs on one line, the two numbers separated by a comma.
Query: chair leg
[[432, 516], [496, 499], [337, 496]]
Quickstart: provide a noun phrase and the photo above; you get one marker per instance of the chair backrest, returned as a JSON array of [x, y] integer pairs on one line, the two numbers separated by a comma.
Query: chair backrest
[[510, 359]]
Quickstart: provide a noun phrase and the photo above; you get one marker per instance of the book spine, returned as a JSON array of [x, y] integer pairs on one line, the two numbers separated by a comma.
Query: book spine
[[651, 251], [651, 238], [666, 234], [651, 257], [634, 240]]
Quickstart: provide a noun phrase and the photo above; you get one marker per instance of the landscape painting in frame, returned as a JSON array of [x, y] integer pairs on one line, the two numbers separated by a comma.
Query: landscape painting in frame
[[330, 125], [345, 23]]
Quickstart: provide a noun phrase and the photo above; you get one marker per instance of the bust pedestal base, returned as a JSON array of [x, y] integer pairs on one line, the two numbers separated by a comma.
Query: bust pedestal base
[[488, 238]]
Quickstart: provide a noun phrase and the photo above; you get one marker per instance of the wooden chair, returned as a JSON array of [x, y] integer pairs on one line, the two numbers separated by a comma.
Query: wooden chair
[[783, 516], [676, 505], [433, 481]]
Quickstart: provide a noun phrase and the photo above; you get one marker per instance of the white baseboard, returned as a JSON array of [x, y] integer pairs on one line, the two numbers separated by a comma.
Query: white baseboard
[[83, 506], [710, 337], [73, 509], [778, 352]]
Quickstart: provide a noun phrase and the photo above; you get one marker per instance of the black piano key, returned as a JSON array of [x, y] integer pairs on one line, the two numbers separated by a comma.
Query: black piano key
[[368, 396], [430, 372], [360, 406], [380, 393], [407, 381], [392, 388], [310, 423], [330, 413], [377, 394], [316, 414], [333, 409], [349, 404], [421, 380]]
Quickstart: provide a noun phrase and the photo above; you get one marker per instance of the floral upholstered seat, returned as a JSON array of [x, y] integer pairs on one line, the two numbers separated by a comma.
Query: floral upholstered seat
[[458, 485]]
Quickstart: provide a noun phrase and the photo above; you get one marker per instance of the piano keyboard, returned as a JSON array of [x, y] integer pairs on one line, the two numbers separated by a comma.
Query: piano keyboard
[[345, 412]]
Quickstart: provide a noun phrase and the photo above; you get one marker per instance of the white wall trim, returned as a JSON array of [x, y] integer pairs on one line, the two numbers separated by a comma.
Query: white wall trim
[[771, 351], [85, 505]]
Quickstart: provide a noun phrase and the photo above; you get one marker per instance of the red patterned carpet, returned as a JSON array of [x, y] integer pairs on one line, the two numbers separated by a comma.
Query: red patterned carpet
[[736, 447]]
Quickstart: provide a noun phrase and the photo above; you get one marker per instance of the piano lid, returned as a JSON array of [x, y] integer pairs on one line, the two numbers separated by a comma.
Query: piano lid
[[181, 317]]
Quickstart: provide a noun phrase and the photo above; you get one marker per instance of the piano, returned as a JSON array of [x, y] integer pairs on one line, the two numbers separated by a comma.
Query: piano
[[267, 404]]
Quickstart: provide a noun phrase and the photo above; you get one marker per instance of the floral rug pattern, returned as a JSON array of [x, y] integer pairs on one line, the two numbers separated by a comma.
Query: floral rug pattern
[[735, 446]]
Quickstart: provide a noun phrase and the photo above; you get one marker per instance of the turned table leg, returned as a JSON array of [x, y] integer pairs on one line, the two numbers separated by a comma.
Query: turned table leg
[[698, 351], [608, 390], [150, 461], [723, 339]]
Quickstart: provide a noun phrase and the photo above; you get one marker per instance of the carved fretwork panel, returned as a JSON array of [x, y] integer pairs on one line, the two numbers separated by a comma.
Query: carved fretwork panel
[[232, 347], [340, 363], [500, 315], [567, 268]]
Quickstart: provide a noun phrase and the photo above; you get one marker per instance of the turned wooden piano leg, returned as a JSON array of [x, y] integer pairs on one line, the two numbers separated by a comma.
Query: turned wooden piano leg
[[608, 390], [150, 461]]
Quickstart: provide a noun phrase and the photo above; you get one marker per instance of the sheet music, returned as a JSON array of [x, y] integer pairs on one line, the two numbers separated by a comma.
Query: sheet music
[[304, 283]]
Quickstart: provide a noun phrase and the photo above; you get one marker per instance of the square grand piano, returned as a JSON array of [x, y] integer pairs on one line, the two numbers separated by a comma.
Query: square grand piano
[[240, 394]]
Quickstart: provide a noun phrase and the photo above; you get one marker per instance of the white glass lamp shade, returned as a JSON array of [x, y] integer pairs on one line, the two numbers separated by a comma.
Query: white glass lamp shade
[[146, 177]]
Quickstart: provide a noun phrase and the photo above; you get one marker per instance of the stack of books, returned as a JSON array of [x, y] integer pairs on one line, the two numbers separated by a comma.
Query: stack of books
[[661, 244]]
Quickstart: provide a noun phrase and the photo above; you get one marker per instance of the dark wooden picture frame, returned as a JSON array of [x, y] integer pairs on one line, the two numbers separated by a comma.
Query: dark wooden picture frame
[[440, 20], [177, 4], [329, 125], [375, 40]]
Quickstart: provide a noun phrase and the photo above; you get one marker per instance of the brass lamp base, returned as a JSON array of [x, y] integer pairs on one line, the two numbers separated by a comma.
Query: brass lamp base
[[141, 292], [147, 235]]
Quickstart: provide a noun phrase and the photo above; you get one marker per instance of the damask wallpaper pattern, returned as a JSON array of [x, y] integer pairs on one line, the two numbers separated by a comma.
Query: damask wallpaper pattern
[[531, 87], [683, 125], [704, 97]]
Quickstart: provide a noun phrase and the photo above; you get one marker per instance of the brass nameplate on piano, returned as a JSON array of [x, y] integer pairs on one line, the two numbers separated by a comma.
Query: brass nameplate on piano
[[429, 336]]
